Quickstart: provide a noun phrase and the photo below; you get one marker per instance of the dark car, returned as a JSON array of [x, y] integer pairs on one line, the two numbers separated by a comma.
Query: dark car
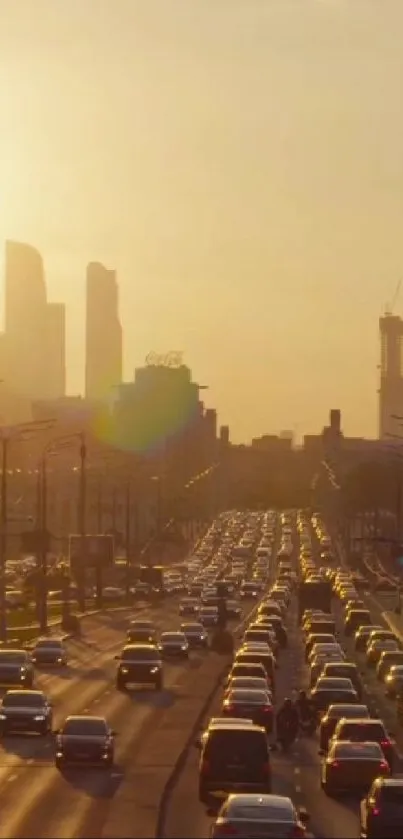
[[332, 692], [85, 740], [381, 811], [139, 664], [365, 730], [252, 814], [251, 704], [388, 659], [362, 636], [355, 619], [25, 711], [333, 715], [245, 656], [49, 652], [189, 606], [234, 758], [351, 766], [318, 638], [173, 645], [276, 624], [141, 636], [195, 635], [16, 669], [344, 670], [234, 609]]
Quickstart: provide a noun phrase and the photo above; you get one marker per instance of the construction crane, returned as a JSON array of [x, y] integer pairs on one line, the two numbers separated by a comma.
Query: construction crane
[[390, 306]]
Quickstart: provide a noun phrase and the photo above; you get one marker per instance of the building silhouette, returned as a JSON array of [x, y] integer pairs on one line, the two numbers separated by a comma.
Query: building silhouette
[[103, 363], [34, 340], [391, 375]]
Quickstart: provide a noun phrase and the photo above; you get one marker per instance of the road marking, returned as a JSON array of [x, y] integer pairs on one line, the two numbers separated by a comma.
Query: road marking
[[297, 788], [12, 778], [297, 770]]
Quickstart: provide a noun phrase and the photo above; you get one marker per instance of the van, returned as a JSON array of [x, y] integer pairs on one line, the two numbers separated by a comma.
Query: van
[[233, 758]]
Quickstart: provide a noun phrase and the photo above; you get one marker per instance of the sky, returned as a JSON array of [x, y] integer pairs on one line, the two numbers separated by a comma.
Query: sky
[[240, 164]]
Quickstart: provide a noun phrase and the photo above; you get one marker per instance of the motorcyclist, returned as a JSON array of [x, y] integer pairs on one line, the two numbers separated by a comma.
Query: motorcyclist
[[287, 720], [305, 707]]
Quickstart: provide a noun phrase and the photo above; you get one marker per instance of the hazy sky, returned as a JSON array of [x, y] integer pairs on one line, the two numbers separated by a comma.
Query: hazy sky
[[240, 162]]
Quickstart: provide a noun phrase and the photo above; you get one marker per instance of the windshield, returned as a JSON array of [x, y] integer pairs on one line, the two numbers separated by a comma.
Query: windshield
[[173, 637], [82, 727], [12, 657], [140, 654], [44, 645], [27, 700]]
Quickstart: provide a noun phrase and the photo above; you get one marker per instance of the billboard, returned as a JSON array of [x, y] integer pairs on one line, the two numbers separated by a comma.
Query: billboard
[[97, 552]]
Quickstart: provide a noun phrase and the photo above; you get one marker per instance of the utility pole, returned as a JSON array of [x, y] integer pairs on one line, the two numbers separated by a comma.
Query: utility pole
[[128, 537], [3, 538], [43, 535], [82, 520]]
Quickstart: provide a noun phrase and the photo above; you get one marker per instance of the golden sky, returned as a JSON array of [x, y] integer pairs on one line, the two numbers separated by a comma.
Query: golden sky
[[240, 163]]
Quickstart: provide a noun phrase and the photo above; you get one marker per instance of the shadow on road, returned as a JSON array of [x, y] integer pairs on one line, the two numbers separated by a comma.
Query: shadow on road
[[28, 747], [93, 781]]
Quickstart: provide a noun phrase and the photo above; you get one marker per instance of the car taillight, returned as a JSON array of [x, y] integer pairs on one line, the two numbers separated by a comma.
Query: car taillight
[[268, 709], [228, 708], [385, 742], [205, 767], [375, 811], [384, 765], [225, 830], [334, 763]]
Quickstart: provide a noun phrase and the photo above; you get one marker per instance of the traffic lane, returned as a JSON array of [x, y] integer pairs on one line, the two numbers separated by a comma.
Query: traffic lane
[[328, 817], [186, 816], [39, 800]]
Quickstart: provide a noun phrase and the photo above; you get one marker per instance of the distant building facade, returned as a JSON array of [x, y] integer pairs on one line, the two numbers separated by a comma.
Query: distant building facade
[[391, 375], [103, 364]]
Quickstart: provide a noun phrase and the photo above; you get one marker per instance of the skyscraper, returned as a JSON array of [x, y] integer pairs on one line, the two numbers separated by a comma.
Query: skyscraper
[[103, 366], [34, 329], [56, 347], [391, 375]]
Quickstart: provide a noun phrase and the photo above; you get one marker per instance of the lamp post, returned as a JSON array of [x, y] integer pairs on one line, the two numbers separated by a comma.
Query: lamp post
[[15, 433]]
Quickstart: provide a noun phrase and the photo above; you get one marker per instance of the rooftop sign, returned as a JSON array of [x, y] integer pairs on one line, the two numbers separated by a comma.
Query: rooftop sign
[[173, 359]]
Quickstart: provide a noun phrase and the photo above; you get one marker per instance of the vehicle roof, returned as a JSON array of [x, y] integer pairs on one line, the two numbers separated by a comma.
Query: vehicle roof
[[135, 647], [86, 717], [261, 800], [24, 693], [237, 726]]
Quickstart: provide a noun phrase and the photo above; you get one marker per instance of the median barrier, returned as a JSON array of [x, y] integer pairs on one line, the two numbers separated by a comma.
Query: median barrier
[[395, 623]]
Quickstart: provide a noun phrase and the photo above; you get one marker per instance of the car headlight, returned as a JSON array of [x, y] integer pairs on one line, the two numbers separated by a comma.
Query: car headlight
[[23, 670], [3, 717], [39, 718], [124, 670], [184, 648], [59, 660], [155, 669]]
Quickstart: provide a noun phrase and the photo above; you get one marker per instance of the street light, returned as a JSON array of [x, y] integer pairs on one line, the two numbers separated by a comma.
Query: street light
[[20, 432]]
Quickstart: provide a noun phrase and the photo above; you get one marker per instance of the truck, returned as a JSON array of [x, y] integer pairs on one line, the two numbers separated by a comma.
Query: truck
[[314, 595]]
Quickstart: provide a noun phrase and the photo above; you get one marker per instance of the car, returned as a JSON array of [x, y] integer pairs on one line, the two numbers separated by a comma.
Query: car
[[195, 635], [173, 645], [351, 766], [231, 755], [234, 609], [318, 638], [251, 703], [388, 659], [346, 670], [355, 619], [379, 646], [318, 664], [262, 636], [365, 730], [189, 606], [394, 681], [248, 683], [145, 624], [136, 635], [324, 650], [85, 740], [139, 664], [251, 814], [208, 616], [331, 692], [362, 636], [49, 652], [243, 669], [335, 713], [247, 656], [27, 711], [16, 669], [381, 811]]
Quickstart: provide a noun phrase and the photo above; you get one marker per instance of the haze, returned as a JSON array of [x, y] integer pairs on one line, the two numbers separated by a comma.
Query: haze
[[240, 163]]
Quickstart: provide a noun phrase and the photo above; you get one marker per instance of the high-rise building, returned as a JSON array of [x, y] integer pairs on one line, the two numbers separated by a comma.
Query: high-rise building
[[391, 375], [25, 320], [103, 364], [55, 386]]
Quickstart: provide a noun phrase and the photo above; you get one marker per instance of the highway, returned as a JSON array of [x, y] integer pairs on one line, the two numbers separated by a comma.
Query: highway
[[297, 774], [36, 799]]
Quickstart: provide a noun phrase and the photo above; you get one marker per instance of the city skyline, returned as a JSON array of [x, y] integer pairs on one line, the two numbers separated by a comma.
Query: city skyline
[[241, 171]]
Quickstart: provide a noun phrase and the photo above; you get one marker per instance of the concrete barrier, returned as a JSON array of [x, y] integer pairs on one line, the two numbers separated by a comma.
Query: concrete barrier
[[395, 623]]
